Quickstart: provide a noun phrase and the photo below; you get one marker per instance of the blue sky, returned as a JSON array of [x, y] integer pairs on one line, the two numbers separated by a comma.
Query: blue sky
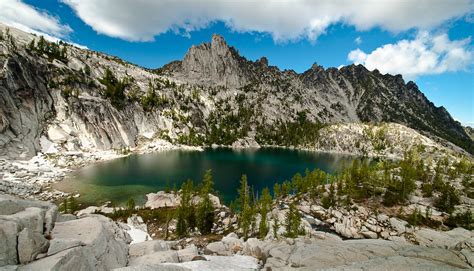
[[426, 41]]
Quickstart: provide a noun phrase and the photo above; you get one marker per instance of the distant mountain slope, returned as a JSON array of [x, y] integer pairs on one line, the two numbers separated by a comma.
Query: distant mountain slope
[[469, 131], [60, 97], [348, 94]]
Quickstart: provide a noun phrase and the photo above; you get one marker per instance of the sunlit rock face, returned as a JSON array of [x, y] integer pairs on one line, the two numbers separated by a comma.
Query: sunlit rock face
[[63, 100]]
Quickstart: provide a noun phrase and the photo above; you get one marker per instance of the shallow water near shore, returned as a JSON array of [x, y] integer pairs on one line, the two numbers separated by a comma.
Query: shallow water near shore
[[136, 175]]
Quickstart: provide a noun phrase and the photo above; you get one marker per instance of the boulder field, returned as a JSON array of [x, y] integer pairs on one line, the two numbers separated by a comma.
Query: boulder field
[[35, 236]]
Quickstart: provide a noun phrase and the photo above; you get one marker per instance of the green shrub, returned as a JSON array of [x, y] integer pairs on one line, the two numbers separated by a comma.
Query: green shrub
[[464, 220], [114, 88], [448, 199]]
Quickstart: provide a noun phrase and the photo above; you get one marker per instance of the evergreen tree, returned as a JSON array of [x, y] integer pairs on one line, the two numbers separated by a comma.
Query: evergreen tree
[[185, 213], [73, 205], [329, 200], [277, 190], [265, 205], [408, 174], [205, 210], [181, 227], [87, 70], [41, 46], [292, 222], [63, 53], [448, 199], [414, 218], [246, 214], [31, 45], [114, 88], [275, 227], [65, 206], [131, 204], [285, 189]]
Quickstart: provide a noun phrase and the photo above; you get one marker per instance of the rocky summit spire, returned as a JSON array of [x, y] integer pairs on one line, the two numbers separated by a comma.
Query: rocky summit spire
[[218, 42], [214, 62]]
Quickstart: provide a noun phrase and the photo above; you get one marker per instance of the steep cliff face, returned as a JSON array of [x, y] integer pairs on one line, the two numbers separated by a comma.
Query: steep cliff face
[[46, 102], [26, 105], [214, 95]]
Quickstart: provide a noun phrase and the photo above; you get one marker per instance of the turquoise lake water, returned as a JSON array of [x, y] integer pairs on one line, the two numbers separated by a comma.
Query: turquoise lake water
[[136, 175]]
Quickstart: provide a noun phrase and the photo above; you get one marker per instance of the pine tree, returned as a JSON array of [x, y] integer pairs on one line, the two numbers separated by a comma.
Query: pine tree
[[183, 224], [277, 190], [130, 204], [292, 222], [31, 45], [205, 210], [73, 205], [65, 206], [408, 174], [275, 227], [265, 205], [114, 88], [63, 53], [181, 227], [41, 46], [448, 199], [245, 217], [87, 70]]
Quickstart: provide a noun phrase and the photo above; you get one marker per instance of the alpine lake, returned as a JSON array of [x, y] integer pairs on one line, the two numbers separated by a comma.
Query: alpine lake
[[136, 175]]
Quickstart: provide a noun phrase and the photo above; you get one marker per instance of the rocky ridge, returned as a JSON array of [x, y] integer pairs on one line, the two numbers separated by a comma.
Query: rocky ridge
[[213, 96], [349, 94]]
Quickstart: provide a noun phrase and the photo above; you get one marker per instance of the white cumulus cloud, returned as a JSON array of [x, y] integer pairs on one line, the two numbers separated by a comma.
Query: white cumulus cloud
[[17, 14], [283, 19], [426, 54]]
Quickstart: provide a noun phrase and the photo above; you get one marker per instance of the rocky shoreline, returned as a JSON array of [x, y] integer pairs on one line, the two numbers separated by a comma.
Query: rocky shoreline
[[33, 178], [35, 236]]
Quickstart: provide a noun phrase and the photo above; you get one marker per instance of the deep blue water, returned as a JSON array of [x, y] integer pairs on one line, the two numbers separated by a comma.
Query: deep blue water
[[136, 175]]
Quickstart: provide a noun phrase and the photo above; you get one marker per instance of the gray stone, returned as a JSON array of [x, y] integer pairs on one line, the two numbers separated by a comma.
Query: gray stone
[[398, 225], [101, 236], [168, 256], [65, 217], [59, 244], [9, 205], [448, 239], [369, 234], [363, 254], [87, 211], [218, 248], [30, 244], [79, 258], [30, 217], [8, 242], [159, 267], [188, 254], [148, 247], [233, 243], [255, 248], [50, 218]]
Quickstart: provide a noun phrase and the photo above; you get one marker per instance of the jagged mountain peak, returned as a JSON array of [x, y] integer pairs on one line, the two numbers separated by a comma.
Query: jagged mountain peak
[[218, 41], [266, 94], [213, 62]]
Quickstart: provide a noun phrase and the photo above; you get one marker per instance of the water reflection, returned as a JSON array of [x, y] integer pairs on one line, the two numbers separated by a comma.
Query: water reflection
[[136, 175]]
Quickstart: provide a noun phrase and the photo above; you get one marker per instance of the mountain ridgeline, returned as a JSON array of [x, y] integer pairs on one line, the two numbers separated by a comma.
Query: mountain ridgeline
[[349, 94], [63, 97]]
